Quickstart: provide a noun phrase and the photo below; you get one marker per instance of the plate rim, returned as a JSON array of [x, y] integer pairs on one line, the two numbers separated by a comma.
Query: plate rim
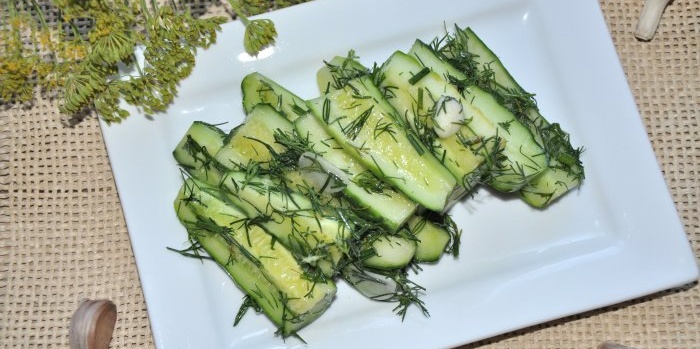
[[152, 293]]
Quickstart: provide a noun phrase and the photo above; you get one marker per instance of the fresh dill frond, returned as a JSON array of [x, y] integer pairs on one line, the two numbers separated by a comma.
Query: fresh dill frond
[[259, 33], [82, 55], [345, 71], [247, 304]]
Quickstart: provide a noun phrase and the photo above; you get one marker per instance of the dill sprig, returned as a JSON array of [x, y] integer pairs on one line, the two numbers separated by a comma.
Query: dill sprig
[[345, 71], [391, 286], [247, 303], [259, 33], [364, 230], [85, 53]]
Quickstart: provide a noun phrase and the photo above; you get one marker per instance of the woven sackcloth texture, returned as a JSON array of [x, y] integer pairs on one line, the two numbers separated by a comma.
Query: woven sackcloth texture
[[63, 237]]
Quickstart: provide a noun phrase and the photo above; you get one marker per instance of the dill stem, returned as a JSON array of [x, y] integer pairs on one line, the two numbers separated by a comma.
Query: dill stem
[[145, 10], [40, 13], [136, 64], [173, 4], [154, 5], [239, 12], [16, 31]]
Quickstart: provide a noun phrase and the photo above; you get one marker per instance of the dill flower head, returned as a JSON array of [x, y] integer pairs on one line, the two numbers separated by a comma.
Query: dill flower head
[[259, 33]]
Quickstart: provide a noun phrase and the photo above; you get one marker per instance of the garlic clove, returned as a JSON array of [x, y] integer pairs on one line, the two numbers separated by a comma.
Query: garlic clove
[[649, 18], [92, 325], [448, 116], [330, 178]]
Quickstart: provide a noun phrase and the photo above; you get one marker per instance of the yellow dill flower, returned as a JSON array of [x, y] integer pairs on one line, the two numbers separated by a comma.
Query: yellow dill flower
[[259, 33], [17, 84], [16, 23], [73, 50], [44, 38]]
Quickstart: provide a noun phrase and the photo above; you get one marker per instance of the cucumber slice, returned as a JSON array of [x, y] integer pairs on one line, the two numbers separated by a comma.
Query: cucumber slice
[[320, 241], [338, 71], [390, 251], [259, 89], [268, 273], [565, 172], [254, 140], [373, 197], [362, 122], [523, 157], [474, 145], [432, 239], [197, 149]]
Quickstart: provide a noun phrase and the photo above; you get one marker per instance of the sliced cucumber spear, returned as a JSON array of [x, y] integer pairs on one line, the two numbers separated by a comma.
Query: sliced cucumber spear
[[522, 158], [268, 273], [196, 151], [372, 195], [319, 241], [368, 128], [375, 197], [477, 64], [259, 89]]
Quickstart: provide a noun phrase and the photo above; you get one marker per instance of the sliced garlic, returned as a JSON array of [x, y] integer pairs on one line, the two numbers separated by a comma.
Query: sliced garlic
[[306, 160], [448, 116], [328, 178]]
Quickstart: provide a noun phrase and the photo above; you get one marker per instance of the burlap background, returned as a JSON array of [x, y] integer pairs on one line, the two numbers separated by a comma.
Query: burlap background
[[64, 238]]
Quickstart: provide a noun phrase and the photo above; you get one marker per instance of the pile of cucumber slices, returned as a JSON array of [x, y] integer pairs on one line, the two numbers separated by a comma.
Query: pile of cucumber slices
[[356, 184]]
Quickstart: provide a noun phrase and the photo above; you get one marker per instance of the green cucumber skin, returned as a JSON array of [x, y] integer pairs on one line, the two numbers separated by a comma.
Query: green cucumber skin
[[559, 178], [487, 59], [427, 57], [259, 89], [196, 151], [431, 240], [524, 158], [244, 254], [254, 140], [407, 165], [390, 252]]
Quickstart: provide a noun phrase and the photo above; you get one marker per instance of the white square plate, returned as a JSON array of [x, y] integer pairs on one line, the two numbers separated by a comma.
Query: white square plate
[[617, 238]]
